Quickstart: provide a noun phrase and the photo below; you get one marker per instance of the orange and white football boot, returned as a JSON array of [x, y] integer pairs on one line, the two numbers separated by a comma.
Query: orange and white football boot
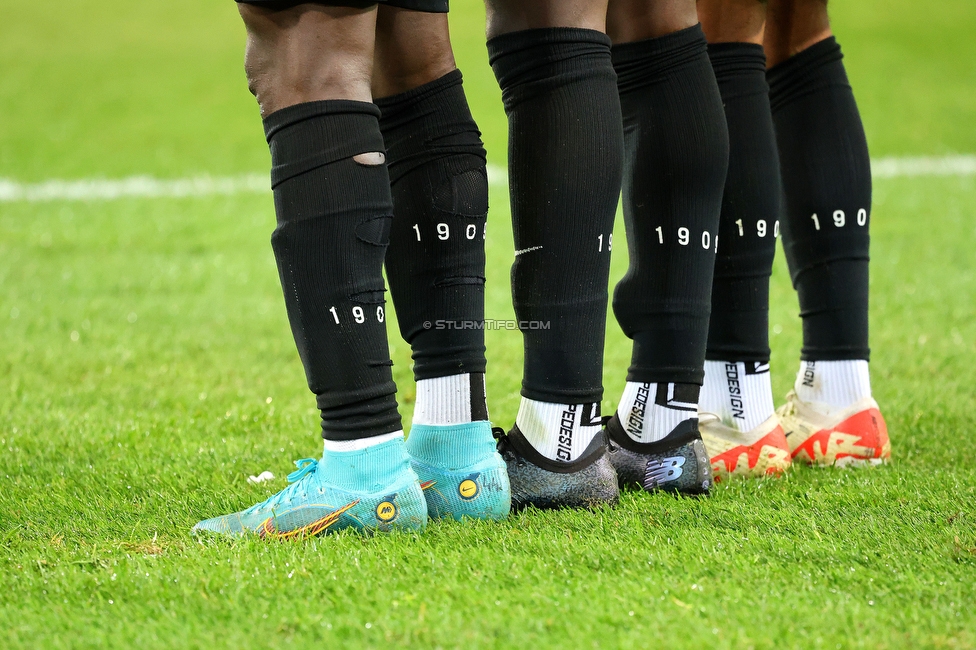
[[854, 436], [763, 451]]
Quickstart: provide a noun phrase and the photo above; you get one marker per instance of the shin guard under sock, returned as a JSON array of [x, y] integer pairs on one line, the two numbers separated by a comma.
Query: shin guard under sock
[[334, 217], [826, 175], [751, 207], [436, 260], [565, 148], [676, 154]]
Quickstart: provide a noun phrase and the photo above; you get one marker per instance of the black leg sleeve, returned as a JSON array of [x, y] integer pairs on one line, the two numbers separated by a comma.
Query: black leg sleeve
[[436, 260], [827, 181], [675, 159], [564, 152], [334, 218], [738, 329]]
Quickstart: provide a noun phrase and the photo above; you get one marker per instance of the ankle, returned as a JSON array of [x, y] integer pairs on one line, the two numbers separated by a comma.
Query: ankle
[[738, 392], [560, 432], [834, 384], [648, 412], [455, 446], [365, 469], [452, 400]]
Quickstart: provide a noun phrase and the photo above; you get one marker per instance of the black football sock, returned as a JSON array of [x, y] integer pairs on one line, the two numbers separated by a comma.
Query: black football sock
[[564, 152], [751, 207], [334, 218], [436, 260], [675, 158], [826, 175], [737, 383], [559, 91]]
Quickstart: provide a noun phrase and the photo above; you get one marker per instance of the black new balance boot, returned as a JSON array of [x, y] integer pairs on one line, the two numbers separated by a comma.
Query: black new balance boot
[[586, 482], [676, 463]]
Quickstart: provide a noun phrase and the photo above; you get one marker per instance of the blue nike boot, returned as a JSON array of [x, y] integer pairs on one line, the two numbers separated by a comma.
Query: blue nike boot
[[370, 490], [460, 470]]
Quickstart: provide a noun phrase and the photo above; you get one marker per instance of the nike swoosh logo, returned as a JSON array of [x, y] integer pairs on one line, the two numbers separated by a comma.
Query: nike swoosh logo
[[527, 250], [267, 530]]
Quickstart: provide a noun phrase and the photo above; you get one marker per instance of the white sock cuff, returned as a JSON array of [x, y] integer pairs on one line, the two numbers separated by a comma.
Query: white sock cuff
[[739, 393], [643, 419], [362, 443], [443, 400], [558, 431], [837, 384]]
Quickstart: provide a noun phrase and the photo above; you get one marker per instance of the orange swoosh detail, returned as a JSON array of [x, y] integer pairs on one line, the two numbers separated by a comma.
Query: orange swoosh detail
[[267, 529]]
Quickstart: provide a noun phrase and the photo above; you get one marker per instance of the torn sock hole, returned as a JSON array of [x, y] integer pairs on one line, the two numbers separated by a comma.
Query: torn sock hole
[[370, 158], [375, 297], [459, 280]]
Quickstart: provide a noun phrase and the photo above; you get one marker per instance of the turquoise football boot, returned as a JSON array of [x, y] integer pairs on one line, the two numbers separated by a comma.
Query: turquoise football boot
[[369, 490], [460, 470]]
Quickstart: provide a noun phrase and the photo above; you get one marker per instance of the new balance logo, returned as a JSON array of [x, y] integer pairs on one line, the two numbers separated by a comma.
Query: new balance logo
[[663, 471]]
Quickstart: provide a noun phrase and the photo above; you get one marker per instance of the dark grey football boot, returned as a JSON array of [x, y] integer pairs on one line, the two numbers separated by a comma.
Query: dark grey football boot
[[586, 482], [677, 463]]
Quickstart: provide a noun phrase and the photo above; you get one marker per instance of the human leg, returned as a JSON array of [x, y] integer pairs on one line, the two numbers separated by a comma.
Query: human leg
[[676, 152], [309, 67], [552, 61], [436, 260], [738, 423], [793, 26], [831, 418]]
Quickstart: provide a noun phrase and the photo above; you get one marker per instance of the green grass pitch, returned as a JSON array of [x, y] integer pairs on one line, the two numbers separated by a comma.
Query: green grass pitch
[[146, 369]]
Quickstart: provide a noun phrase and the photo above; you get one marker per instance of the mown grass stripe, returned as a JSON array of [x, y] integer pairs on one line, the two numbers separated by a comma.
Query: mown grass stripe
[[97, 189]]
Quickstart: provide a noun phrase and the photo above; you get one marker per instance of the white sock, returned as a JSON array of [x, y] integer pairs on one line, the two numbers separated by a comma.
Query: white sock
[[836, 384], [649, 412], [738, 392], [559, 431], [450, 400], [362, 443]]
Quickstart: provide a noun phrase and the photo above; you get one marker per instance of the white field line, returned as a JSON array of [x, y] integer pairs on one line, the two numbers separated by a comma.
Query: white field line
[[497, 175], [95, 189], [957, 165]]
